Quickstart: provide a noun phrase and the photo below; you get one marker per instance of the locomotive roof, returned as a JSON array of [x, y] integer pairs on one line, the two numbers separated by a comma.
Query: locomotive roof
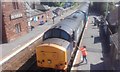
[[57, 41], [70, 23], [84, 8]]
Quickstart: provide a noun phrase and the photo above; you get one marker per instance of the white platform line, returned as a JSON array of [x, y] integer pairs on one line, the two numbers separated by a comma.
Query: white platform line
[[74, 62], [21, 48]]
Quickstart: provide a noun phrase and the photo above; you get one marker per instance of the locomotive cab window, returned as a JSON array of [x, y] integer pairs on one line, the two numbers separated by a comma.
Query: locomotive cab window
[[64, 35], [56, 33]]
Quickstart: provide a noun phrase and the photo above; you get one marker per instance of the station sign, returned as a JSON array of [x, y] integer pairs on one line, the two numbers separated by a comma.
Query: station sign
[[15, 16]]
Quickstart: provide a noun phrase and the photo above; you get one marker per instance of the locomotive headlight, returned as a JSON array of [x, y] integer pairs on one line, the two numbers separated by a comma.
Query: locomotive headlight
[[49, 61]]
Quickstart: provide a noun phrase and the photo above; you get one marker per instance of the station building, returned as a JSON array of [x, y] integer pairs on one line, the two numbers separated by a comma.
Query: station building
[[14, 22], [114, 25], [18, 17]]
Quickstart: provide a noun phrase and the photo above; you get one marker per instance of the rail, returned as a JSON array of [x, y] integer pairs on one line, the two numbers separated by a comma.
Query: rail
[[79, 43]]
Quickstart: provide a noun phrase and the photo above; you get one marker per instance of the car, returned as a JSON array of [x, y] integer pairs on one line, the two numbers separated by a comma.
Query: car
[[66, 5]]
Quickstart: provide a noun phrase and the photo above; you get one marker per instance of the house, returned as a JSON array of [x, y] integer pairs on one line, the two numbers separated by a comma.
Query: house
[[38, 15]]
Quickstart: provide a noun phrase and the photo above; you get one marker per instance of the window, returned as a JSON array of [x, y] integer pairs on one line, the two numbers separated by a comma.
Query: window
[[18, 28], [15, 5], [64, 35], [56, 33], [48, 34]]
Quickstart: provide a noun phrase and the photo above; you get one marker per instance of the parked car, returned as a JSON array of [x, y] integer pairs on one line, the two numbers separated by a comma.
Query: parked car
[[66, 5]]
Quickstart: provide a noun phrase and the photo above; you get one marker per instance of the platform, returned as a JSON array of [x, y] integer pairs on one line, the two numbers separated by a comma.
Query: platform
[[93, 42]]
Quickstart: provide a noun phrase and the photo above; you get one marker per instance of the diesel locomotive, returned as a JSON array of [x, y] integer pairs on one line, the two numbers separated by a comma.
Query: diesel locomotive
[[58, 42]]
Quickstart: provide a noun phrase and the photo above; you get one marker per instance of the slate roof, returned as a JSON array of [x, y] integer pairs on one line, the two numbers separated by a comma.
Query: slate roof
[[31, 12]]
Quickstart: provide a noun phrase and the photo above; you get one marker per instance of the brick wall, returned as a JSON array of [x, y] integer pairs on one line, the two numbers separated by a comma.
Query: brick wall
[[47, 17], [0, 23], [9, 29], [36, 23]]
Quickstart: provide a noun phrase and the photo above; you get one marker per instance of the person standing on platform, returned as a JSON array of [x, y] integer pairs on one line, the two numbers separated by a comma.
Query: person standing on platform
[[95, 21], [84, 54], [53, 18]]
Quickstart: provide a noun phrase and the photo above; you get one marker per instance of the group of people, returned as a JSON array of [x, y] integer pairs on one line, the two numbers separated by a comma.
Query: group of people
[[98, 21]]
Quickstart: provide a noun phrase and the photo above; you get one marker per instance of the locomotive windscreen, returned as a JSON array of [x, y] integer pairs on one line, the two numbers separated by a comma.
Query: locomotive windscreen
[[56, 33]]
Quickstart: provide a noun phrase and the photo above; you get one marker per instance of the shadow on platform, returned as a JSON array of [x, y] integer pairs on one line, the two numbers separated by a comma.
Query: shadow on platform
[[97, 67], [79, 64], [105, 47], [103, 39], [97, 40]]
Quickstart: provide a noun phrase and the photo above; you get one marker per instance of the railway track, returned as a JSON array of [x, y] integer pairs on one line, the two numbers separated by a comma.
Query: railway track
[[75, 50], [31, 64]]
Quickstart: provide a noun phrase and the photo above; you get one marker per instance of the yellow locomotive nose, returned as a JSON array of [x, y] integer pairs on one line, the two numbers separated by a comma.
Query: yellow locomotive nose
[[51, 56]]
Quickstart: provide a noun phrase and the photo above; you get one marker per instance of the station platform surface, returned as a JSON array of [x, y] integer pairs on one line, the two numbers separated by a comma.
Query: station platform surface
[[8, 50], [93, 42]]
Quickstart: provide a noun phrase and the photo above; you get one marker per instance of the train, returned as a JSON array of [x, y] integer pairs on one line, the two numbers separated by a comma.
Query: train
[[59, 41]]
